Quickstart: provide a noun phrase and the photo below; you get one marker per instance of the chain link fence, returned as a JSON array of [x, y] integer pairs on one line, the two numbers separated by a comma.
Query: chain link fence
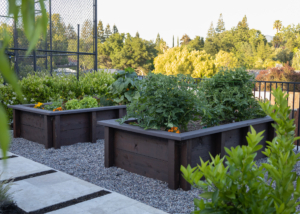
[[70, 45]]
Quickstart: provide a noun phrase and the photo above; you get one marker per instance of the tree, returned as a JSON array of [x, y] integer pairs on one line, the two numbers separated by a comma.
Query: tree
[[177, 41], [107, 31], [211, 47], [185, 39], [70, 32], [220, 25], [211, 31], [243, 24], [157, 41], [137, 35], [115, 29], [100, 33], [179, 60], [277, 25], [196, 44], [87, 35], [173, 42], [224, 59], [296, 60]]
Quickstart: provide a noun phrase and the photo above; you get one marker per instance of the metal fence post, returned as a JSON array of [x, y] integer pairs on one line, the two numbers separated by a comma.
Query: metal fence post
[[78, 29]]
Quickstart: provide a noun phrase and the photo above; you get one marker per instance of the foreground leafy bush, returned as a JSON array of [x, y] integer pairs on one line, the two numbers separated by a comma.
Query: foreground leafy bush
[[230, 97], [124, 89], [165, 102], [241, 187]]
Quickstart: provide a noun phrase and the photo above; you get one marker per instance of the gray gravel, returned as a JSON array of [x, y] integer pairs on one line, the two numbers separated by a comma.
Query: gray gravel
[[86, 161]]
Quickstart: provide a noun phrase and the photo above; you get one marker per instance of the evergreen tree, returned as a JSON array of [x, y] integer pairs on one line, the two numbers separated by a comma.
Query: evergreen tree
[[107, 31], [157, 41], [185, 39], [137, 35], [196, 44], [211, 31], [173, 41], [221, 25], [243, 24], [115, 29], [70, 32], [87, 35], [100, 33], [177, 41]]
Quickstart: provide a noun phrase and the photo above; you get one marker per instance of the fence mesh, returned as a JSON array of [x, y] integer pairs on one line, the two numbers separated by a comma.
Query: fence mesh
[[58, 51]]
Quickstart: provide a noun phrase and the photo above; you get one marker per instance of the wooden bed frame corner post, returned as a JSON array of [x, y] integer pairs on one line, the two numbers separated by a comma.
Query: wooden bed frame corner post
[[56, 132], [185, 160], [108, 147], [48, 131], [17, 123], [173, 164], [93, 127]]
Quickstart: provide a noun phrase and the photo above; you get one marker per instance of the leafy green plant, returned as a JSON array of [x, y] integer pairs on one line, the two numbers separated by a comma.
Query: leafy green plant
[[165, 102], [240, 186], [88, 102], [124, 89], [73, 104], [229, 94], [54, 105], [33, 28]]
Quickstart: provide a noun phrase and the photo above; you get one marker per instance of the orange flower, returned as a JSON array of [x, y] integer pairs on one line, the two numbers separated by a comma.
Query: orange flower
[[127, 89], [178, 132]]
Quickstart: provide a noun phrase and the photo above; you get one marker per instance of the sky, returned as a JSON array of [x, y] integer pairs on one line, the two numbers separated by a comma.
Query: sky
[[193, 17]]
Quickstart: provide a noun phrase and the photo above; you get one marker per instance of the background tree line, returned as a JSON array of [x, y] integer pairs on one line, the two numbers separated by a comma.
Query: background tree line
[[236, 47]]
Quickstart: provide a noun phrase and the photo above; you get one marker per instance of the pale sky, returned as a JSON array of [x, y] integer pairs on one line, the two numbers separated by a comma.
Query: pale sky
[[193, 17]]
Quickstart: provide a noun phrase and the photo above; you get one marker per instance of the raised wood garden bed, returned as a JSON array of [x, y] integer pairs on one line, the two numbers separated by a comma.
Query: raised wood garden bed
[[60, 128], [159, 154]]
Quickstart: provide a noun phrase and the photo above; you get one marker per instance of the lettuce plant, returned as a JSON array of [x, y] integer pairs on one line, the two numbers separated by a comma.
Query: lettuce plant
[[240, 186]]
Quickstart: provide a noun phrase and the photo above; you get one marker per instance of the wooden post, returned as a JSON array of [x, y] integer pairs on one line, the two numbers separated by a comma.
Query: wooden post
[[108, 147], [185, 160], [17, 123], [220, 144], [56, 132], [48, 132], [173, 165], [93, 127], [122, 112]]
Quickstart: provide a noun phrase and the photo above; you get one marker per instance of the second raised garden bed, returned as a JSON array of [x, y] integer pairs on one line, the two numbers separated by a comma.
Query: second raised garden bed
[[60, 128], [159, 154]]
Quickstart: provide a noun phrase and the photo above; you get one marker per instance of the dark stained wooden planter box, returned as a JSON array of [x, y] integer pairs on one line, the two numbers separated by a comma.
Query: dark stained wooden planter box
[[159, 154], [60, 128]]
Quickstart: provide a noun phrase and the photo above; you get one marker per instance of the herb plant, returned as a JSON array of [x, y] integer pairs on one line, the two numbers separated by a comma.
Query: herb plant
[[240, 186]]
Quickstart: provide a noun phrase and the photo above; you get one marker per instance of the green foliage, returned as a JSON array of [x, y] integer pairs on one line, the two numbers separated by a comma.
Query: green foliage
[[41, 87], [54, 105], [86, 102], [241, 186], [124, 89], [33, 28], [229, 93], [165, 102], [281, 157]]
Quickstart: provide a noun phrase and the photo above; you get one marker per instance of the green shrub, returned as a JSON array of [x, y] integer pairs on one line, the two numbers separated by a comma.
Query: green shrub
[[5, 197], [229, 95], [165, 102], [241, 187], [124, 89]]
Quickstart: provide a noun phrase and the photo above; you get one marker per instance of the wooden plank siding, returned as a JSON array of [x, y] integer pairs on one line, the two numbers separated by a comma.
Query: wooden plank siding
[[159, 155], [56, 129]]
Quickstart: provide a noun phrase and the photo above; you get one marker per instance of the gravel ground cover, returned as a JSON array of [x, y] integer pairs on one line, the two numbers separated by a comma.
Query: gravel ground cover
[[86, 161]]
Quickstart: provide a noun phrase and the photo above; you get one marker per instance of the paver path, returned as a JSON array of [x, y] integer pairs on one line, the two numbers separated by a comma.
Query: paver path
[[41, 188]]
